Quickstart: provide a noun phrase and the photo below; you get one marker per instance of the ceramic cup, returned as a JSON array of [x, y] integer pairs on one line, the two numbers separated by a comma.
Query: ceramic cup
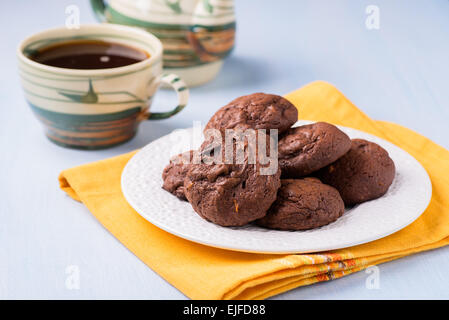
[[96, 108], [196, 34]]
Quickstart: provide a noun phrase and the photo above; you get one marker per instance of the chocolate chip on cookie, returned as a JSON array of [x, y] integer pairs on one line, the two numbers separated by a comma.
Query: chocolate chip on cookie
[[303, 204], [255, 111], [305, 149], [175, 172], [364, 173], [230, 194]]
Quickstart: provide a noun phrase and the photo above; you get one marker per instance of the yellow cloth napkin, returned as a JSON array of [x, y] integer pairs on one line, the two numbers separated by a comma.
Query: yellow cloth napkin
[[202, 272]]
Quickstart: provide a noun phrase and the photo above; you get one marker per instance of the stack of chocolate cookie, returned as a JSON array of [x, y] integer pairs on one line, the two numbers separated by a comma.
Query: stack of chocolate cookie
[[319, 170]]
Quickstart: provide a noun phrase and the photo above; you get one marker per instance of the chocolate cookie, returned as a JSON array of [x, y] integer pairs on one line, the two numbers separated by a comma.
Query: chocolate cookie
[[255, 111], [303, 204], [364, 173], [305, 149], [230, 194], [175, 172]]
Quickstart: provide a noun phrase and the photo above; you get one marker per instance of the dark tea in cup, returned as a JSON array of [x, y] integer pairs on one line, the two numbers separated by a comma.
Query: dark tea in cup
[[91, 87], [88, 54]]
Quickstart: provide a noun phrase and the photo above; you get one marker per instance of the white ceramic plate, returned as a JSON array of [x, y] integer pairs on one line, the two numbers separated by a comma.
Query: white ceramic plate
[[404, 202]]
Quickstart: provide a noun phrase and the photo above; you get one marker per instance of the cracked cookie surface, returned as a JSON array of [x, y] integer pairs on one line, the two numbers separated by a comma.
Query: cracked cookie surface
[[175, 172], [230, 194], [255, 111], [308, 148], [303, 204], [364, 173]]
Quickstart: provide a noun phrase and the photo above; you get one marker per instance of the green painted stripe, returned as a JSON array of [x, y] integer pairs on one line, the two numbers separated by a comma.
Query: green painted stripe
[[87, 147], [70, 122], [167, 36], [112, 13], [186, 52], [119, 18], [76, 102], [85, 139], [182, 89], [226, 27], [183, 59], [179, 60], [175, 80], [83, 92], [179, 65], [90, 129], [180, 32]]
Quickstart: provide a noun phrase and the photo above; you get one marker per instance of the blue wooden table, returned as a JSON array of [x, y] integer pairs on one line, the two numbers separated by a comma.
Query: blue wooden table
[[396, 72]]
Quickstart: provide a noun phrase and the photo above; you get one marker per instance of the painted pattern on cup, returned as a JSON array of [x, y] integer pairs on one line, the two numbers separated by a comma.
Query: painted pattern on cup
[[193, 32], [93, 109]]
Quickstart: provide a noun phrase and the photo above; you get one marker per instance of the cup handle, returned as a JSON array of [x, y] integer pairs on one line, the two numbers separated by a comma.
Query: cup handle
[[183, 96], [99, 8]]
